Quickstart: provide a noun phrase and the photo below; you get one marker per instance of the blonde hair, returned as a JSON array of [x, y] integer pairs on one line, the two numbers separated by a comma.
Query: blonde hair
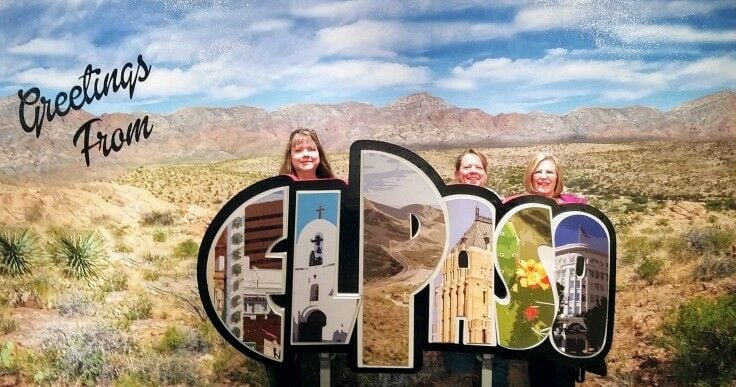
[[324, 170], [532, 166]]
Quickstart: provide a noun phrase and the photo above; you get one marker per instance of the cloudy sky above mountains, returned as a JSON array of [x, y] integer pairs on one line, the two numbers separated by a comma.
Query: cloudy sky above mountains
[[512, 56]]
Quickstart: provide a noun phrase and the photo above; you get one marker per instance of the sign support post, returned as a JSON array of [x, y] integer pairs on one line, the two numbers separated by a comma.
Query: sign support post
[[486, 375], [324, 370]]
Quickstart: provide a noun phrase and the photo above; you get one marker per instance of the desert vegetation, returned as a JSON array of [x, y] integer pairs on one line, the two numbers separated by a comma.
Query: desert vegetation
[[97, 279]]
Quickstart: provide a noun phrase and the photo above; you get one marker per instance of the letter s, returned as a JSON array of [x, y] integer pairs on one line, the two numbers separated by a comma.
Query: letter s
[[525, 259]]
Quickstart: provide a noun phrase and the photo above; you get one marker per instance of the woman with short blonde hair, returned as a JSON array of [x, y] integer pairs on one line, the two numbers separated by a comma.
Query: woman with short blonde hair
[[543, 177]]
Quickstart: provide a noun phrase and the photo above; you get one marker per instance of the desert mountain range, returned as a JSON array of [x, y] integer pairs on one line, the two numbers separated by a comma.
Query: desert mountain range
[[416, 121]]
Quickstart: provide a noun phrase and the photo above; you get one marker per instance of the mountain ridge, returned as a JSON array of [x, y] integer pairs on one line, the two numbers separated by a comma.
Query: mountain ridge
[[418, 120]]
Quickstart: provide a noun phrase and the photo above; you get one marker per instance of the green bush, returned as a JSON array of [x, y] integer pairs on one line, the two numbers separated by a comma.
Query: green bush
[[17, 252], [138, 307], [709, 240], [715, 266], [75, 303], [7, 357], [114, 282], [649, 268], [151, 275], [157, 218], [677, 249], [724, 204], [7, 323], [172, 340], [649, 231], [637, 247], [151, 368], [153, 257], [580, 183], [159, 236], [231, 365], [80, 255], [120, 232], [128, 380], [186, 249], [39, 288], [121, 247], [81, 355], [183, 339], [635, 207], [640, 199], [702, 336]]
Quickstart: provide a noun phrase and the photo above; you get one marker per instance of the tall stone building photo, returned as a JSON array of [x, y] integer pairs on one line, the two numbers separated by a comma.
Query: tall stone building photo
[[466, 288]]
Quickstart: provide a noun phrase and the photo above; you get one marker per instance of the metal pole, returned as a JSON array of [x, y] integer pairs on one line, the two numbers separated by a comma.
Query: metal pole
[[486, 374], [324, 370]]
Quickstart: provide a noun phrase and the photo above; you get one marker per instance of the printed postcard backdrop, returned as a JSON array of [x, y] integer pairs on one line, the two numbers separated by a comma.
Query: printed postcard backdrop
[[125, 126]]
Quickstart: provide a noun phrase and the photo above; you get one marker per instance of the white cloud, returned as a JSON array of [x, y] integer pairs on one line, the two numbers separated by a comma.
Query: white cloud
[[608, 14], [672, 33], [556, 51], [551, 69], [614, 80], [686, 8], [67, 46], [363, 38], [216, 79], [332, 10], [373, 38], [352, 10], [270, 25], [627, 20], [626, 94], [715, 72], [233, 92], [233, 51], [544, 18], [45, 78], [357, 75], [165, 82], [523, 100], [457, 83]]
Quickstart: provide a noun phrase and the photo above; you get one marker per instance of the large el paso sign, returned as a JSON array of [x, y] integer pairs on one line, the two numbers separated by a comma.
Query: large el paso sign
[[397, 262]]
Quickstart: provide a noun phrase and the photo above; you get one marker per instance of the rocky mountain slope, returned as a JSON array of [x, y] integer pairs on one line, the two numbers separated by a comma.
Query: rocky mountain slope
[[416, 121]]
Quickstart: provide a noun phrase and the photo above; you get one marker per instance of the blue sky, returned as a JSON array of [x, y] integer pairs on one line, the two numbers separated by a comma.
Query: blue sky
[[309, 202], [462, 215], [509, 56], [568, 231]]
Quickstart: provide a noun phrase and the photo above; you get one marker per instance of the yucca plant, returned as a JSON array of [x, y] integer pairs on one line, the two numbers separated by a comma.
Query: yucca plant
[[18, 249], [80, 254]]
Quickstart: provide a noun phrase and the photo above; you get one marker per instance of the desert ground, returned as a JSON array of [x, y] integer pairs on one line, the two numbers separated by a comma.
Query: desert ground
[[138, 320]]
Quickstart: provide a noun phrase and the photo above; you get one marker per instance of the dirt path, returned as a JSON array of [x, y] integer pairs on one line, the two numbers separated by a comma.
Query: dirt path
[[410, 274]]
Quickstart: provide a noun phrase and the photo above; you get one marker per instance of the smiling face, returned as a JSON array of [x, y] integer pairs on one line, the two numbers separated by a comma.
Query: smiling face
[[544, 178], [304, 157], [471, 171]]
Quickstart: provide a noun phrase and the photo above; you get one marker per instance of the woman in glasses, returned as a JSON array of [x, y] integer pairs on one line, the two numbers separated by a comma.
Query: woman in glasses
[[304, 158]]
